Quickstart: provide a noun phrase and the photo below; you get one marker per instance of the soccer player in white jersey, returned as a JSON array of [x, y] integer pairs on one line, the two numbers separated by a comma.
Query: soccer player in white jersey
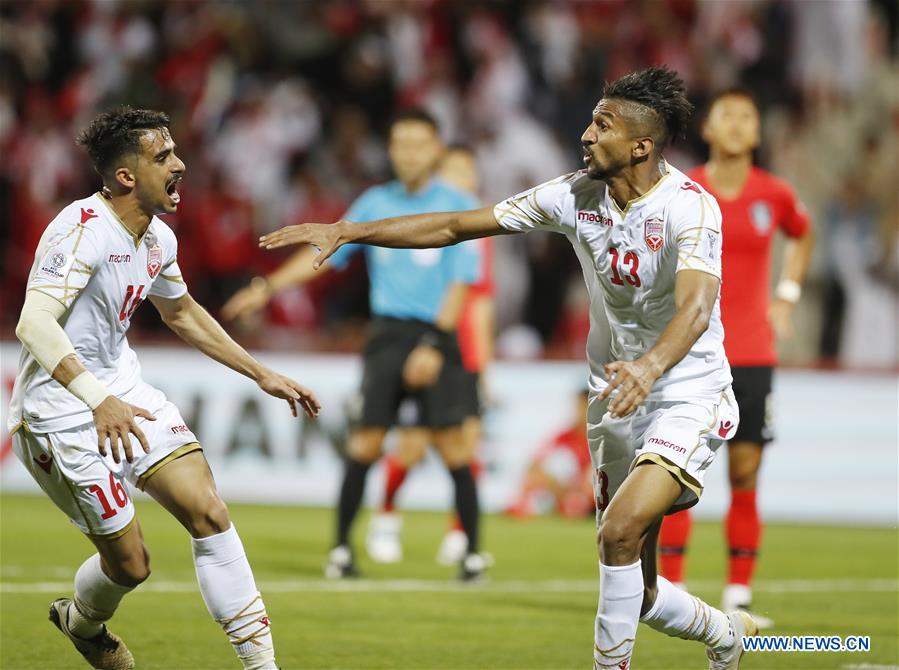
[[79, 398], [649, 243]]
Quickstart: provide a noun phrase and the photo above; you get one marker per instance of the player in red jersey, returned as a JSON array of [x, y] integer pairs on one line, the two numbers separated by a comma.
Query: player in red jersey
[[754, 205], [458, 167]]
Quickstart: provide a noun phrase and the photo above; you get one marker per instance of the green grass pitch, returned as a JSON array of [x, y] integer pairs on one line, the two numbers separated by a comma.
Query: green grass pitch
[[536, 611]]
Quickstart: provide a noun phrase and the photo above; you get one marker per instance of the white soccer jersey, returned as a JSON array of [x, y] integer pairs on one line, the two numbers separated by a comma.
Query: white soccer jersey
[[100, 272], [629, 259]]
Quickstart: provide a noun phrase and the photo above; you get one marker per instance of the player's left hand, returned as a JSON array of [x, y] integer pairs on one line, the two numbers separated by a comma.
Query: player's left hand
[[324, 236], [280, 386], [781, 316], [633, 379]]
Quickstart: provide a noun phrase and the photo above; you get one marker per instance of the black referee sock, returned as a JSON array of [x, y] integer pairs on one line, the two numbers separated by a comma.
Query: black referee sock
[[351, 492], [467, 504]]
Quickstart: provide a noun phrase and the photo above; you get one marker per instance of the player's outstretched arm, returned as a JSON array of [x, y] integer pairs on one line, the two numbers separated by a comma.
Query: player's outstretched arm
[[695, 293], [195, 325], [39, 331], [421, 231]]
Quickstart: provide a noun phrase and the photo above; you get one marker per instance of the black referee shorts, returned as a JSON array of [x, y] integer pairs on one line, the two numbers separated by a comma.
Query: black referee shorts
[[389, 343], [752, 389]]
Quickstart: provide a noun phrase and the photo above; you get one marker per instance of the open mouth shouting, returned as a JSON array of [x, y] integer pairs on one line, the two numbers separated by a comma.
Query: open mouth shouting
[[171, 188]]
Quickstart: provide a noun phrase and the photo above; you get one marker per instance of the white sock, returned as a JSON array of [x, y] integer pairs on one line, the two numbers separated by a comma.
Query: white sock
[[229, 591], [678, 614], [96, 599], [620, 598]]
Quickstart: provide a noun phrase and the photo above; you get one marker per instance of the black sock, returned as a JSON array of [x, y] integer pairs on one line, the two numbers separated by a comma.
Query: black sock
[[351, 492], [467, 504]]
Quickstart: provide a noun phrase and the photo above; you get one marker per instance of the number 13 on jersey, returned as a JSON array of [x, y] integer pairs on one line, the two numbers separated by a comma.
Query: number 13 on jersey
[[630, 264]]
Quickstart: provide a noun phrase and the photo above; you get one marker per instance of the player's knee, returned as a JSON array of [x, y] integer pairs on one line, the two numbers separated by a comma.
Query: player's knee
[[619, 538], [411, 451], [209, 517], [409, 459], [131, 570], [743, 476], [452, 448], [365, 447], [455, 458]]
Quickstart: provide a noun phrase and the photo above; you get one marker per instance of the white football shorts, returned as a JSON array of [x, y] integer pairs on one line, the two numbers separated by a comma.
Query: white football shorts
[[88, 487], [682, 437]]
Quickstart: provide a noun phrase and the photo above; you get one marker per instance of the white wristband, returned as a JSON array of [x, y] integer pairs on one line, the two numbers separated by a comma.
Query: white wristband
[[88, 389], [788, 290]]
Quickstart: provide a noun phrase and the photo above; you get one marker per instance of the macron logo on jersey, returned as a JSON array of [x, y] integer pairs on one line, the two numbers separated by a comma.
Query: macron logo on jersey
[[593, 217], [87, 215], [690, 186]]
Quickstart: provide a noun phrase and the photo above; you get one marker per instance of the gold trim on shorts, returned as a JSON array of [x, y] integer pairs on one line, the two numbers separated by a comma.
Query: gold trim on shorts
[[116, 533], [183, 450], [679, 473]]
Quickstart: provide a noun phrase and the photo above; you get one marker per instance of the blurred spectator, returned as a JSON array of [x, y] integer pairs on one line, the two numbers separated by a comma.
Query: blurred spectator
[[865, 333], [250, 86]]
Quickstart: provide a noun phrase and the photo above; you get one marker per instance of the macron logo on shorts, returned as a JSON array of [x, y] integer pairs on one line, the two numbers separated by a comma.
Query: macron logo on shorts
[[724, 428], [668, 445]]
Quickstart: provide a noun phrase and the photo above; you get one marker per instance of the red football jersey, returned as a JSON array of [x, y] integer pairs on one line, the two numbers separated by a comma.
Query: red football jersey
[[765, 204], [472, 358]]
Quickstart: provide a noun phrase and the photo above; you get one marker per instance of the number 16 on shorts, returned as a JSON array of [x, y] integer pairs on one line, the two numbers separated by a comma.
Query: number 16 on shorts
[[84, 485]]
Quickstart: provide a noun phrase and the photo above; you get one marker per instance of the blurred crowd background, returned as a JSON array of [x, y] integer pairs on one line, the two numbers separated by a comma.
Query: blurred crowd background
[[279, 108]]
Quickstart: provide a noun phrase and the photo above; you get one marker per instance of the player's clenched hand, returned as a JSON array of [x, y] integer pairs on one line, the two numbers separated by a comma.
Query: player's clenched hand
[[633, 380], [115, 421], [246, 301], [280, 386], [326, 237], [422, 367]]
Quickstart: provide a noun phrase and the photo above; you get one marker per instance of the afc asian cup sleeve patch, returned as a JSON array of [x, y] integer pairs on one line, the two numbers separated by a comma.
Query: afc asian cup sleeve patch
[[709, 246], [55, 266]]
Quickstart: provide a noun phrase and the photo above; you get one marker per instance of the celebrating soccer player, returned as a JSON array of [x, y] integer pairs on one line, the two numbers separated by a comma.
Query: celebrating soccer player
[[649, 242], [79, 397], [754, 205]]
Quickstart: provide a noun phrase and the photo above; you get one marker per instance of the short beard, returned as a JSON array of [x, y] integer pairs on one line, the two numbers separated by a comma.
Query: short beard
[[596, 173]]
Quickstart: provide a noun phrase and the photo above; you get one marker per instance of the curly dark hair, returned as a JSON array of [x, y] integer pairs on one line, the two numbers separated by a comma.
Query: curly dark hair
[[116, 133], [661, 90]]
